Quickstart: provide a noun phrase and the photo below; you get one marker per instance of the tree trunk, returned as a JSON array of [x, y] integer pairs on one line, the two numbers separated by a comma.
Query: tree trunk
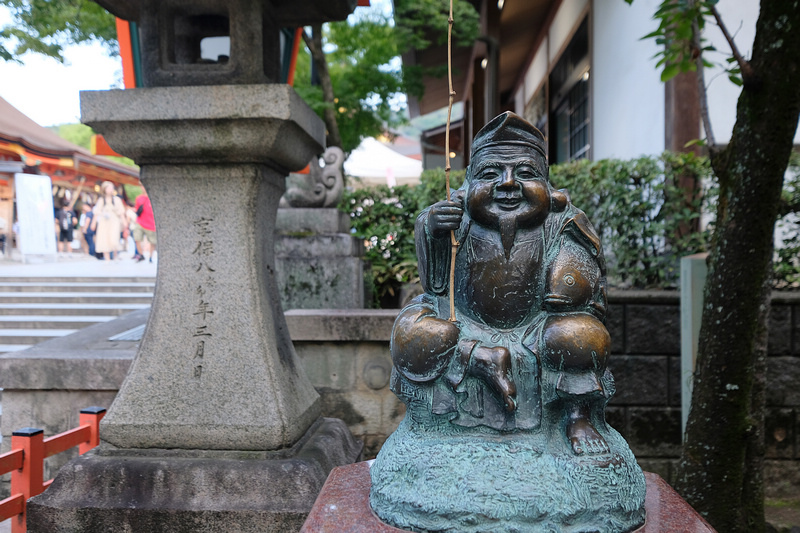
[[314, 44], [720, 472]]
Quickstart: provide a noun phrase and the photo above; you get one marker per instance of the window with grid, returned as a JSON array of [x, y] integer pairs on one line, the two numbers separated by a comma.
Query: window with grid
[[568, 126]]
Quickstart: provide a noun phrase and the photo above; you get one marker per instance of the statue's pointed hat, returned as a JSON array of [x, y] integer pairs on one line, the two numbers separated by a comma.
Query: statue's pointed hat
[[509, 129]]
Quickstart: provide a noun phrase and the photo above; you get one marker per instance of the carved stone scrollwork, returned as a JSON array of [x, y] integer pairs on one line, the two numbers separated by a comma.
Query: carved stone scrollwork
[[321, 187]]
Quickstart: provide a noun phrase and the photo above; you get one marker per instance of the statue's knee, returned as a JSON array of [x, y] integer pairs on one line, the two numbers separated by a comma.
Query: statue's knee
[[575, 343], [422, 343]]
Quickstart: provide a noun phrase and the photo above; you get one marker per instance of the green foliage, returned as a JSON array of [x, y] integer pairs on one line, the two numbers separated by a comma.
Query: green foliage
[[423, 22], [635, 205], [787, 255], [384, 218], [81, 134], [46, 26], [365, 81], [639, 211], [132, 192], [679, 47], [362, 56]]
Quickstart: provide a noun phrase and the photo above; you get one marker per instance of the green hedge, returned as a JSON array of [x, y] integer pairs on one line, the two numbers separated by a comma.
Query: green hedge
[[639, 212], [634, 204], [384, 217], [787, 255]]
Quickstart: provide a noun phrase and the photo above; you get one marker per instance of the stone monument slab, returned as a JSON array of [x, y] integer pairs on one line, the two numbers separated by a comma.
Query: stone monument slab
[[216, 320]]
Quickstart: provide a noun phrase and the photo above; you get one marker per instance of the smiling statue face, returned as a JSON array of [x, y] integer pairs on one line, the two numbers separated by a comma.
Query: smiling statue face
[[508, 189]]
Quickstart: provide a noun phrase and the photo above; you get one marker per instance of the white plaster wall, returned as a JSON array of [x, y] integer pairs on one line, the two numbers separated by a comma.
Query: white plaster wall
[[565, 20], [519, 101], [740, 18], [627, 93], [537, 71]]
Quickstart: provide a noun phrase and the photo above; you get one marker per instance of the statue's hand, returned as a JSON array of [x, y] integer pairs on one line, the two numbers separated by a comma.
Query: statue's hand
[[443, 217]]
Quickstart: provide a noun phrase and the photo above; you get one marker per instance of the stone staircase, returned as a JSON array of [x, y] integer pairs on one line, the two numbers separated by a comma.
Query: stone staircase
[[33, 310]]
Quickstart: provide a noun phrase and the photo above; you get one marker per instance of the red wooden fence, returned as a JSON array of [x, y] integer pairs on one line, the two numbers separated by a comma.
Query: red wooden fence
[[25, 461]]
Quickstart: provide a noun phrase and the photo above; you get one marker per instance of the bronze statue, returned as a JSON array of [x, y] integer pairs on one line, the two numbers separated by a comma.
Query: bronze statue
[[524, 365]]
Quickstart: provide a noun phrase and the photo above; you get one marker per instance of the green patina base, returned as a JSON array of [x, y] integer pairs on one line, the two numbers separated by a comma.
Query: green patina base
[[433, 481]]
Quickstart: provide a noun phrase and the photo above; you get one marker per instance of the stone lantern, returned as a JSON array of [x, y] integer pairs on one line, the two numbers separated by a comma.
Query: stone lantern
[[172, 34], [216, 427]]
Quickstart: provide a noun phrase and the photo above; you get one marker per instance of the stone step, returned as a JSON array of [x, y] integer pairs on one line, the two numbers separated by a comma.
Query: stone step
[[74, 297], [64, 286], [51, 322], [4, 348], [70, 309], [31, 336]]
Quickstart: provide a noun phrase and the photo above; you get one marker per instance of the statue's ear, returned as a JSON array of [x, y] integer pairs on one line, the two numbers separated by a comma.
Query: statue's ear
[[559, 200]]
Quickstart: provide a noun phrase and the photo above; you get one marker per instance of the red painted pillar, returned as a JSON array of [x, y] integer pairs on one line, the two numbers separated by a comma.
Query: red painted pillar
[[28, 479], [91, 416]]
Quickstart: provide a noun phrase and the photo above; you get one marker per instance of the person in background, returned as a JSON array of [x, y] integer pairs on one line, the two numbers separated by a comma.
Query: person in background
[[3, 237], [108, 222], [84, 223], [66, 219], [144, 232], [129, 232]]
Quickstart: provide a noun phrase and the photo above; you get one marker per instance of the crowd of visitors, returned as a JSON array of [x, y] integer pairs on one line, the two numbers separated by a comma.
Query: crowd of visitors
[[104, 230]]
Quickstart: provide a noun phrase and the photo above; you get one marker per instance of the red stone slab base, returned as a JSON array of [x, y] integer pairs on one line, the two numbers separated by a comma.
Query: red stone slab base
[[343, 507]]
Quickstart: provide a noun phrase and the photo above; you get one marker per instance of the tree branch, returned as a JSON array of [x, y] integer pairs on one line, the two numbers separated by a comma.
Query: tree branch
[[701, 82], [744, 65], [314, 44]]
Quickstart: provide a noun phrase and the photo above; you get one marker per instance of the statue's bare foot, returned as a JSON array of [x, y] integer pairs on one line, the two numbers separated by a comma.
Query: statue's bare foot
[[493, 365], [583, 436]]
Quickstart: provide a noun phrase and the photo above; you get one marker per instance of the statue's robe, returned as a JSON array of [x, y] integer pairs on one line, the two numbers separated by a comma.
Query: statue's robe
[[503, 298]]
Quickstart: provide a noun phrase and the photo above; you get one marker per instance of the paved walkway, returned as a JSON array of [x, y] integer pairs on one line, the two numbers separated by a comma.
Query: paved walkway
[[78, 265]]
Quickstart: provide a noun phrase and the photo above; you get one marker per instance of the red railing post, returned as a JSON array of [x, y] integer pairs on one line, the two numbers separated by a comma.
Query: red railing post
[[91, 416], [28, 479]]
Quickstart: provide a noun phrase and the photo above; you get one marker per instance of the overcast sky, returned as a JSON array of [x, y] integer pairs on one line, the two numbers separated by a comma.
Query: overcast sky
[[46, 90]]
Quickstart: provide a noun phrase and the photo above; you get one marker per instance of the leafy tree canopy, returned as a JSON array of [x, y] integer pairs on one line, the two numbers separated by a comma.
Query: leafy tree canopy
[[47, 26], [424, 22], [81, 134], [363, 61], [366, 76]]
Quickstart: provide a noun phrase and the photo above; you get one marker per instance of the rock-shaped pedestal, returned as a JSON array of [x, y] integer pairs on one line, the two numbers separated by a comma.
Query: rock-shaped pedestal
[[216, 427], [476, 480]]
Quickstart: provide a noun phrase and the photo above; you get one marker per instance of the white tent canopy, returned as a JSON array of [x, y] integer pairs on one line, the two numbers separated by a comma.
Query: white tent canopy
[[375, 164]]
